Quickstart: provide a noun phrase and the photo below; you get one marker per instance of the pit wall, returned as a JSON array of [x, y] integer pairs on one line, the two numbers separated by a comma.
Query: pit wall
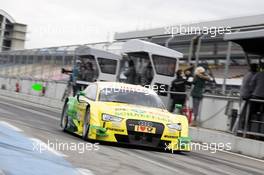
[[213, 108], [53, 89], [216, 112]]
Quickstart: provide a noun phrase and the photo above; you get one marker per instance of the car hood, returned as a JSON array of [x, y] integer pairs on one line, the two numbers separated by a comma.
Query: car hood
[[137, 112]]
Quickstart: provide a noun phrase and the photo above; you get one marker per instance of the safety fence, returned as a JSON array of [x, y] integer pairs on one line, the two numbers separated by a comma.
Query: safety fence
[[41, 67], [251, 121], [229, 114]]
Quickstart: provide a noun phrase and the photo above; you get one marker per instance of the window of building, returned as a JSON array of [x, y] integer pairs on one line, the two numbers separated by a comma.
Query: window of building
[[164, 65], [107, 66]]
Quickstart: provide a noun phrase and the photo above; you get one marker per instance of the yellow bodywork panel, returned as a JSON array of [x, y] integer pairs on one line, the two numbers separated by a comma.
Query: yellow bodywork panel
[[107, 130]]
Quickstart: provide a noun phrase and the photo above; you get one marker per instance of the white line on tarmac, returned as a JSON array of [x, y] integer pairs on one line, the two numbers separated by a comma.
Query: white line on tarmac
[[11, 126], [31, 103], [32, 111], [83, 171], [241, 155], [236, 154], [153, 162]]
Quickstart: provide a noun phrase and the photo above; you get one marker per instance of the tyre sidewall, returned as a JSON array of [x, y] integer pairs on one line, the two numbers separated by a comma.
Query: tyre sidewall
[[63, 115], [86, 124]]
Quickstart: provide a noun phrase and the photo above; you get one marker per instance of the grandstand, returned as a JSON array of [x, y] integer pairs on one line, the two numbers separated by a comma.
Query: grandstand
[[204, 47], [44, 64]]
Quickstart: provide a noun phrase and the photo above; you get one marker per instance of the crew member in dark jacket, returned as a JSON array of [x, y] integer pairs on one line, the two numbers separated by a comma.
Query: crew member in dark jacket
[[130, 73], [178, 85], [246, 88], [246, 92], [257, 85]]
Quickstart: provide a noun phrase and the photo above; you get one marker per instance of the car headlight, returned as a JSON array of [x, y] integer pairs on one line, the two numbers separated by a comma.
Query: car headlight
[[111, 118], [176, 126]]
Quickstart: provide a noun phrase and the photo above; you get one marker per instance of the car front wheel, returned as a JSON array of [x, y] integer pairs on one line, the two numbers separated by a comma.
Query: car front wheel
[[64, 118]]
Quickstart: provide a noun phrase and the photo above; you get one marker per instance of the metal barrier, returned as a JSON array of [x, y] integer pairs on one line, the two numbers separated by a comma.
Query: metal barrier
[[253, 122]]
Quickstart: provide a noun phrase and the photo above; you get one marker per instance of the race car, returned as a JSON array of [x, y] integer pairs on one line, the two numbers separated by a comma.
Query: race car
[[124, 113]]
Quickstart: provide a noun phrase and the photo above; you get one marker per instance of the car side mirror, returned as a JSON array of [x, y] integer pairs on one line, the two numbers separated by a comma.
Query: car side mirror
[[81, 93]]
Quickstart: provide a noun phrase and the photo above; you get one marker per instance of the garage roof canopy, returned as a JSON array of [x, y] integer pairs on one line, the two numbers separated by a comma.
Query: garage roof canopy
[[136, 45], [251, 41]]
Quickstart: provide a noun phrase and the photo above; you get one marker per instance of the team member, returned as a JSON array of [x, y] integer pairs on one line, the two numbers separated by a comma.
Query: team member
[[257, 85], [130, 73], [246, 91], [178, 85], [74, 75], [147, 75], [197, 92]]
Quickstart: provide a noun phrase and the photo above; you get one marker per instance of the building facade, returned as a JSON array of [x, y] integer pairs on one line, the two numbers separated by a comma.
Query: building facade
[[197, 44], [12, 34]]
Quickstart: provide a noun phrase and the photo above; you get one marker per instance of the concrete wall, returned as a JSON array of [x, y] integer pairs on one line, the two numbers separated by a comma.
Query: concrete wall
[[213, 112], [249, 147], [54, 90]]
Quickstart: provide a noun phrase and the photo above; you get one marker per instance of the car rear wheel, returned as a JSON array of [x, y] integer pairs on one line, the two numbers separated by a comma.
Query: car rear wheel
[[86, 124], [64, 118]]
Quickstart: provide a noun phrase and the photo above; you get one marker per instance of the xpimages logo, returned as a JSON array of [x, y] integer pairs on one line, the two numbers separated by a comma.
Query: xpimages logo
[[56, 145], [212, 31], [124, 89], [212, 147]]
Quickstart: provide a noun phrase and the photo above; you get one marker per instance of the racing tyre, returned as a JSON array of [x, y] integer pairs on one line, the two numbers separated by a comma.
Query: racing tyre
[[64, 117], [86, 124]]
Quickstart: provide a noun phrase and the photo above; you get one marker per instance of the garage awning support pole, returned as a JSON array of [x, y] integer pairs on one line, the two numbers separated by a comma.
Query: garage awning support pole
[[2, 32], [167, 42], [246, 120], [191, 50], [197, 53], [228, 54]]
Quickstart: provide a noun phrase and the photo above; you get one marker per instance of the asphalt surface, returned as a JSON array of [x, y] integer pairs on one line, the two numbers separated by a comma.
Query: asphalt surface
[[43, 123]]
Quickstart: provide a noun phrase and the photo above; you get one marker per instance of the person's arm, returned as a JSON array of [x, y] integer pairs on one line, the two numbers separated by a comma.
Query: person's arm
[[65, 71], [204, 76], [194, 80]]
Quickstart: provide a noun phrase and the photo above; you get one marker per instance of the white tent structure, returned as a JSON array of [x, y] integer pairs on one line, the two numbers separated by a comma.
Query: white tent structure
[[164, 63], [136, 45]]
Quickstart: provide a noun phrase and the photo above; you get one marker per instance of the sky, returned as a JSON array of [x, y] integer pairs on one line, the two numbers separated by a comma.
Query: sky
[[66, 22]]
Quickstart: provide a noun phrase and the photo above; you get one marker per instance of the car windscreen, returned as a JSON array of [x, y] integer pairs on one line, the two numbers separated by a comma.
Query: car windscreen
[[131, 97]]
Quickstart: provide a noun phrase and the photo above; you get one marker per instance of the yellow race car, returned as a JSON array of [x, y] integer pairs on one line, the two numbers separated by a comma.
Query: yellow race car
[[124, 113]]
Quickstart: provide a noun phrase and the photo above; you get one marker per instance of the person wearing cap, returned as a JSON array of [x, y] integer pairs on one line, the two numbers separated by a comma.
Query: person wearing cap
[[199, 81]]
